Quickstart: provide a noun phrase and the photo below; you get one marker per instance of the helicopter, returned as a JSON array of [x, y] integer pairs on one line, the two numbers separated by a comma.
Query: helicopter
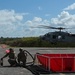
[[57, 36]]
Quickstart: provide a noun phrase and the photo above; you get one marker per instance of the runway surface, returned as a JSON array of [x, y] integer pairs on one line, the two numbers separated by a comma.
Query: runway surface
[[33, 51]]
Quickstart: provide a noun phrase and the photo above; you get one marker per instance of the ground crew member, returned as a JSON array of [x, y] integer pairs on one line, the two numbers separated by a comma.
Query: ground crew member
[[12, 57], [22, 57]]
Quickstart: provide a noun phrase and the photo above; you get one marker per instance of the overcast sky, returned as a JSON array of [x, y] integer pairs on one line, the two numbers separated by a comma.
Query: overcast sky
[[18, 16]]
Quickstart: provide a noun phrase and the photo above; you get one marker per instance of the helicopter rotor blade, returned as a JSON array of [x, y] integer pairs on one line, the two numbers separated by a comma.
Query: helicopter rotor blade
[[47, 27], [50, 27]]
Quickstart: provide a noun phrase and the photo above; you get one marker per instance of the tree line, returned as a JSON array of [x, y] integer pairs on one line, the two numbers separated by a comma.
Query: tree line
[[32, 42]]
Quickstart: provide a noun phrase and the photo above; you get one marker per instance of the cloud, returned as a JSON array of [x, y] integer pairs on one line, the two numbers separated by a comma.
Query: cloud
[[10, 22], [36, 21], [40, 8], [64, 19], [8, 17], [71, 7]]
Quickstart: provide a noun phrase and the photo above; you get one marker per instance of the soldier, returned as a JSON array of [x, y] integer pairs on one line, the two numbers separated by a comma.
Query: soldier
[[22, 57], [12, 57]]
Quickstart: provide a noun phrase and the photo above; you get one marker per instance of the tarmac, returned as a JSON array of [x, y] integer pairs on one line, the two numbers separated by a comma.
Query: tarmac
[[23, 71]]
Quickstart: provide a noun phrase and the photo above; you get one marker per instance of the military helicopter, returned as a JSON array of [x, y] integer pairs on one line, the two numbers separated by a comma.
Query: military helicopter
[[57, 36]]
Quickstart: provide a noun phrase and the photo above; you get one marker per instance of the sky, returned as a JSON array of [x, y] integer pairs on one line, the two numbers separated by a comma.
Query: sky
[[17, 17]]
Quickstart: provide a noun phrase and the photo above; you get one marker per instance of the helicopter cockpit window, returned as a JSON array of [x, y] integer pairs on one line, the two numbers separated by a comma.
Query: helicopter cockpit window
[[59, 37], [48, 35], [54, 36]]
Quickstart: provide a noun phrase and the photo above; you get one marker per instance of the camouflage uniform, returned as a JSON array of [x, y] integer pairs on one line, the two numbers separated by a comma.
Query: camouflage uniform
[[22, 57], [12, 57]]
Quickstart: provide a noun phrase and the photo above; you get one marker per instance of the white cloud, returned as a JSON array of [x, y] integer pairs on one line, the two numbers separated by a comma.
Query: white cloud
[[9, 16], [64, 19], [37, 21], [40, 8], [10, 22], [71, 7]]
